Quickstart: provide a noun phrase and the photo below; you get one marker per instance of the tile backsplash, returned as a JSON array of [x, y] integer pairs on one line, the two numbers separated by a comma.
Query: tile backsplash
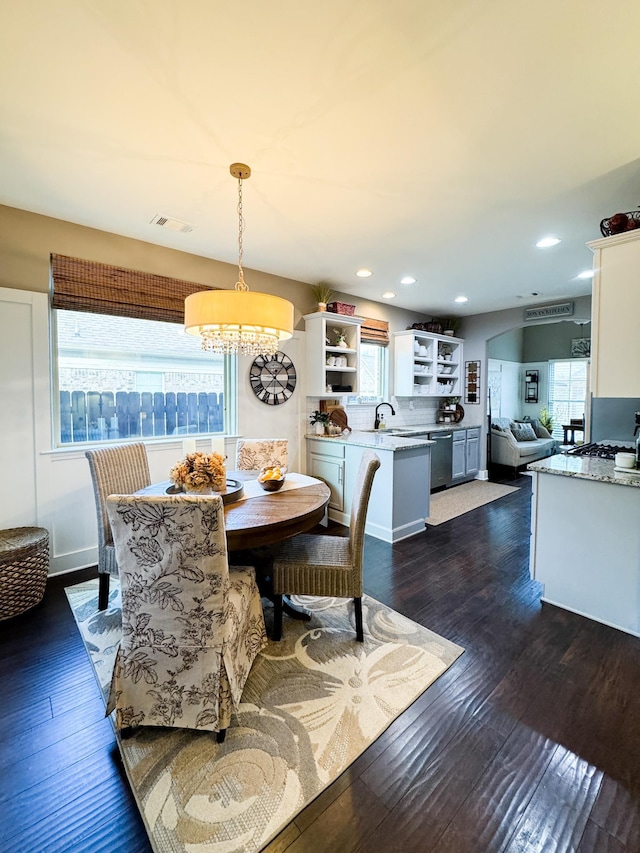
[[362, 415]]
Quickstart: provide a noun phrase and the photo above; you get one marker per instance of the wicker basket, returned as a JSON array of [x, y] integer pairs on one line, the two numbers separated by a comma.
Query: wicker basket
[[24, 567], [341, 308]]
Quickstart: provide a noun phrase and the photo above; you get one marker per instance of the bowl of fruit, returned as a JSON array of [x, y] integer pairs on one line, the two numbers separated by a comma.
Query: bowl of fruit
[[272, 478]]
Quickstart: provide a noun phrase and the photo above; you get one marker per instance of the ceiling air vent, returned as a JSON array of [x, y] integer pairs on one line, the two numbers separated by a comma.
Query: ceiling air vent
[[172, 224]]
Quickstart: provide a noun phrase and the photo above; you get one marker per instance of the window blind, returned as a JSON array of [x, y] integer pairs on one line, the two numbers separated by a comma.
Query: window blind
[[567, 391], [374, 331], [81, 285]]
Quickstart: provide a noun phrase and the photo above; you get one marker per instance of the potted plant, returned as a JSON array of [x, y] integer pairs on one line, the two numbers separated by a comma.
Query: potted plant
[[322, 293], [341, 338], [545, 419], [319, 420], [451, 325]]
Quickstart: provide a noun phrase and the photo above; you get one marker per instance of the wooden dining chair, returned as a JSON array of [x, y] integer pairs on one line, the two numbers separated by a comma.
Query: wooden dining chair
[[191, 626], [323, 565], [118, 470], [255, 453]]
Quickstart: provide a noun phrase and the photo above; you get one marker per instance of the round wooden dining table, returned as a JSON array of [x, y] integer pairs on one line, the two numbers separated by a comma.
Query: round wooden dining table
[[269, 518]]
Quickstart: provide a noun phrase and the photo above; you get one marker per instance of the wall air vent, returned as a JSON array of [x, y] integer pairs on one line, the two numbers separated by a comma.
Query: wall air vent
[[172, 224]]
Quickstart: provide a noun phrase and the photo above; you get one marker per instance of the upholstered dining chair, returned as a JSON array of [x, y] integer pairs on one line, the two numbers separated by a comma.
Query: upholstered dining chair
[[191, 626], [311, 564], [255, 453], [118, 470]]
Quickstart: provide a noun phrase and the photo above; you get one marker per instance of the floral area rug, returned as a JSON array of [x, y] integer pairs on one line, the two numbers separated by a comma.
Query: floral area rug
[[312, 704]]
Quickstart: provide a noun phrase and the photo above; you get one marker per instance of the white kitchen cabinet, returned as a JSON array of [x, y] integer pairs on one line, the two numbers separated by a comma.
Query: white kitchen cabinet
[[459, 455], [332, 369], [427, 365], [466, 454], [473, 452], [615, 308], [326, 462], [401, 488], [585, 550]]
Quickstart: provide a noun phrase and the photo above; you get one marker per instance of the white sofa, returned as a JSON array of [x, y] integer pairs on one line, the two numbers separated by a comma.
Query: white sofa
[[506, 450]]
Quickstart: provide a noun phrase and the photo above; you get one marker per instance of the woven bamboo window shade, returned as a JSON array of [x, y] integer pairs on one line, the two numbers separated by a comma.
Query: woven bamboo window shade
[[79, 285], [374, 332]]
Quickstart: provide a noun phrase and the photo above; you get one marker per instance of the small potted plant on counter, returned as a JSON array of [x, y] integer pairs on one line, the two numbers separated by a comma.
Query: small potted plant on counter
[[320, 421]]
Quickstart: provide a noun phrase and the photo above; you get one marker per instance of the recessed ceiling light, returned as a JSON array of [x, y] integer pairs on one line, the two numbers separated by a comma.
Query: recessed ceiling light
[[585, 274], [407, 279], [547, 242], [461, 299], [388, 294], [364, 273]]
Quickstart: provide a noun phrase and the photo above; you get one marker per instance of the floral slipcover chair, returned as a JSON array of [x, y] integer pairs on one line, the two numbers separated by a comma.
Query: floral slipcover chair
[[191, 627], [255, 453]]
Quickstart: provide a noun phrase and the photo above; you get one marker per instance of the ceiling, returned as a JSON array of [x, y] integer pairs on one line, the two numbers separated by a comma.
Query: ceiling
[[413, 137]]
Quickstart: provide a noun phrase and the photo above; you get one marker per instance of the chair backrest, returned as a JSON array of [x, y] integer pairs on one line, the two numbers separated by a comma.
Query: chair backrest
[[118, 470], [172, 555], [255, 453], [177, 631], [369, 464]]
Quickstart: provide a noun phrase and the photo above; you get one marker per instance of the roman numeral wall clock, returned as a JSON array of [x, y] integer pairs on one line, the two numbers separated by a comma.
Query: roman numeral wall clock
[[273, 378]]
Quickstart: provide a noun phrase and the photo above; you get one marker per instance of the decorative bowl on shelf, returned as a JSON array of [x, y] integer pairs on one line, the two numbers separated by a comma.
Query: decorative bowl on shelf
[[620, 222], [271, 478]]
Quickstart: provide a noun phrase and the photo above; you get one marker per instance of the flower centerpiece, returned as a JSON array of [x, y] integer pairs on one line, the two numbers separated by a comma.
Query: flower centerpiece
[[200, 473]]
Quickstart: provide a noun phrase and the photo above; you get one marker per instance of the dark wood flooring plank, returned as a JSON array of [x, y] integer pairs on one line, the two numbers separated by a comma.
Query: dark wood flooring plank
[[596, 840], [556, 815], [344, 825], [66, 726], [617, 811], [492, 809], [438, 792], [46, 798], [44, 766]]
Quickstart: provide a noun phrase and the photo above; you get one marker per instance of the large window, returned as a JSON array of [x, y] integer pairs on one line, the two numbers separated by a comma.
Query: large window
[[119, 378], [567, 392]]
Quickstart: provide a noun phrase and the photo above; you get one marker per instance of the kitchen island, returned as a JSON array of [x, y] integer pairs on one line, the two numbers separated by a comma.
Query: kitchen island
[[399, 500], [585, 538]]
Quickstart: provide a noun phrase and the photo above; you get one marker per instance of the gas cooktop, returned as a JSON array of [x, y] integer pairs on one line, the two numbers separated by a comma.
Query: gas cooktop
[[600, 449]]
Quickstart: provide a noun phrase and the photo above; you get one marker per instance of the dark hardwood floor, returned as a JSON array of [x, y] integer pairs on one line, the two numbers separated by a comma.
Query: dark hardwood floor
[[529, 742]]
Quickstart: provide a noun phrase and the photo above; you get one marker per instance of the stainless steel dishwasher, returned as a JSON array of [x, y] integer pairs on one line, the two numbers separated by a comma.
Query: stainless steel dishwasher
[[441, 459]]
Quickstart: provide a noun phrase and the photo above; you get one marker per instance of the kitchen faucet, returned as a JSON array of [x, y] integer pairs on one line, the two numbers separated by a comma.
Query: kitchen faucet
[[376, 423]]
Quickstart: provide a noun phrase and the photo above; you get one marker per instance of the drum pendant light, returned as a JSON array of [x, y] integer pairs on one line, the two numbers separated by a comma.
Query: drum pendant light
[[239, 320]]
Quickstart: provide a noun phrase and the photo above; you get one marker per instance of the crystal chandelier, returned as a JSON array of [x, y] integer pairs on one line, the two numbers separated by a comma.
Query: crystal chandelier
[[238, 321]]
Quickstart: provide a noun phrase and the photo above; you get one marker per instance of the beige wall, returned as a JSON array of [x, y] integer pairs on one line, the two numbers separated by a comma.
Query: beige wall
[[27, 240]]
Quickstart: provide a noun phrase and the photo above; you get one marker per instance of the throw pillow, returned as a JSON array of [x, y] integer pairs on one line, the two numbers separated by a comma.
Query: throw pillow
[[537, 428], [523, 432], [501, 424]]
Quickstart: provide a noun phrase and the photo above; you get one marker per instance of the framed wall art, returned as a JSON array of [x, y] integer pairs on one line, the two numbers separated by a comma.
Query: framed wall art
[[581, 348], [472, 382]]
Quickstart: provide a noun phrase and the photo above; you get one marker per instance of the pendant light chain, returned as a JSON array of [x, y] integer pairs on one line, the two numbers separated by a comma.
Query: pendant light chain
[[240, 284]]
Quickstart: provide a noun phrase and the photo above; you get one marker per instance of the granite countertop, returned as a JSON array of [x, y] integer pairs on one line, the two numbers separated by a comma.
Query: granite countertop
[[380, 439], [407, 432], [585, 468], [393, 438]]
